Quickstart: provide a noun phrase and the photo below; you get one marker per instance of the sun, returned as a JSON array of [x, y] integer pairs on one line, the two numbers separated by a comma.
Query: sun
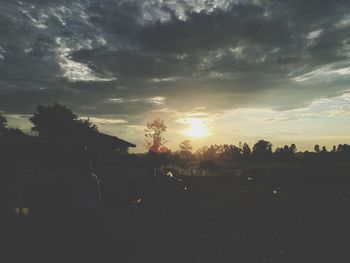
[[197, 128]]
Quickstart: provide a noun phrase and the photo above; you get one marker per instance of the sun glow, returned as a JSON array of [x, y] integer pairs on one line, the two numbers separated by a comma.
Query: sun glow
[[197, 128]]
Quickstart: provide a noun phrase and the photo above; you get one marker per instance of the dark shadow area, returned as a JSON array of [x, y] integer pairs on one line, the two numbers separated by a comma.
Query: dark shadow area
[[77, 195]]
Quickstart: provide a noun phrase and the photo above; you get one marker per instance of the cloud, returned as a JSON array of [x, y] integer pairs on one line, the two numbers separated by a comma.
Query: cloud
[[157, 100], [74, 71], [131, 59], [326, 73], [344, 22], [314, 34], [105, 121]]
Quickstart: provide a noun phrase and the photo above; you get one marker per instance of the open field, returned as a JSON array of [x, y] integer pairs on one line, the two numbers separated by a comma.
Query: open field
[[263, 215]]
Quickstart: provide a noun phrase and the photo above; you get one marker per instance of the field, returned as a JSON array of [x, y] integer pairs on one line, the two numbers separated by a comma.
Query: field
[[254, 215]]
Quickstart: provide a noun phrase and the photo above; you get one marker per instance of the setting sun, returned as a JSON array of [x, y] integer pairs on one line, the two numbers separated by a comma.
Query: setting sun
[[197, 128]]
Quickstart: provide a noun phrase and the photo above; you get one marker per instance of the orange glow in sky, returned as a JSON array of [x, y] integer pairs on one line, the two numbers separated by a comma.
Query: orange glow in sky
[[197, 128]]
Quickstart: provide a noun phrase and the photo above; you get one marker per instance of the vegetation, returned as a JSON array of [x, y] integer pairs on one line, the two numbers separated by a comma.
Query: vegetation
[[219, 199], [154, 134], [56, 122], [3, 122]]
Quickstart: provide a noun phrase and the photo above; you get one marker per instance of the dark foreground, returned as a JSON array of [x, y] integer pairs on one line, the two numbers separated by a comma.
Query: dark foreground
[[280, 215]]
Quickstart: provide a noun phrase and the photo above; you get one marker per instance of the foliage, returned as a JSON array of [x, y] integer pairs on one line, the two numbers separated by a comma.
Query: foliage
[[317, 148], [230, 152], [85, 125], [206, 152], [3, 122], [185, 147], [154, 134], [225, 152], [8, 132], [53, 121], [58, 122], [246, 151], [262, 149], [285, 153]]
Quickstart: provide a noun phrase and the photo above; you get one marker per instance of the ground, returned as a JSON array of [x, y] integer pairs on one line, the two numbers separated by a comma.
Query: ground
[[256, 215]]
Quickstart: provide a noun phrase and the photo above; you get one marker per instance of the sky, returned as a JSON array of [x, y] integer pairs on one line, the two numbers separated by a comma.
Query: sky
[[220, 71]]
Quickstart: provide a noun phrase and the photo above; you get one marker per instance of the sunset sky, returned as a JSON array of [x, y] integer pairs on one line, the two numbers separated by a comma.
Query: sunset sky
[[219, 71]]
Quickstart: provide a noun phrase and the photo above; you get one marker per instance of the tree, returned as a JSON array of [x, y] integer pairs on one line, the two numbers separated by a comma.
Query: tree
[[185, 147], [53, 121], [293, 149], [230, 152], [246, 151], [185, 154], [154, 134], [262, 149], [317, 148], [286, 153], [9, 132], [85, 125], [343, 148], [334, 149], [206, 152], [3, 122], [57, 122]]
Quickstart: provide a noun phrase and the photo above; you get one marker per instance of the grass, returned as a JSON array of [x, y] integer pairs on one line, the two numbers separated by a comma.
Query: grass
[[258, 213]]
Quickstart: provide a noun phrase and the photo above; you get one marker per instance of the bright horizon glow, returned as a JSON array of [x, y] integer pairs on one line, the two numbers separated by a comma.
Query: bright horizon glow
[[197, 128]]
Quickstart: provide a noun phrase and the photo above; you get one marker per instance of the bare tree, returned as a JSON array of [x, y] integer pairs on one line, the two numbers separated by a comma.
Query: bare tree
[[154, 135]]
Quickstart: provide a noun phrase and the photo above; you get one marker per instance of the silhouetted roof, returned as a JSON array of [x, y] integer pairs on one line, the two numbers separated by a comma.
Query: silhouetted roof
[[105, 141], [94, 140]]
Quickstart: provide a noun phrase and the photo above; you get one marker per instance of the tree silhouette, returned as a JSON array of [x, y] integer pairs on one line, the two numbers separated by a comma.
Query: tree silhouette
[[230, 152], [317, 148], [343, 148], [185, 153], [185, 147], [293, 148], [286, 153], [206, 152], [3, 123], [8, 132], [334, 149], [85, 125], [57, 122], [262, 149], [246, 151], [53, 121], [154, 133]]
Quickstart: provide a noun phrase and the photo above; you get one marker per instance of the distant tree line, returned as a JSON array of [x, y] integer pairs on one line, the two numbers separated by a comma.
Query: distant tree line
[[58, 124], [261, 151]]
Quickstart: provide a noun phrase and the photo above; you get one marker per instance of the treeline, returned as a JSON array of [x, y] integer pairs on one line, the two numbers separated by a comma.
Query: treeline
[[261, 151], [59, 124]]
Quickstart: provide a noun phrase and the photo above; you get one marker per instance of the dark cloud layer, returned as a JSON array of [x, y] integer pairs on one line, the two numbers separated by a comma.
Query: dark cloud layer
[[113, 57]]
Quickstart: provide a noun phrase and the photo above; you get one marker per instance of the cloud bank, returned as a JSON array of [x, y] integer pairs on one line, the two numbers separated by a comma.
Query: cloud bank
[[127, 59]]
